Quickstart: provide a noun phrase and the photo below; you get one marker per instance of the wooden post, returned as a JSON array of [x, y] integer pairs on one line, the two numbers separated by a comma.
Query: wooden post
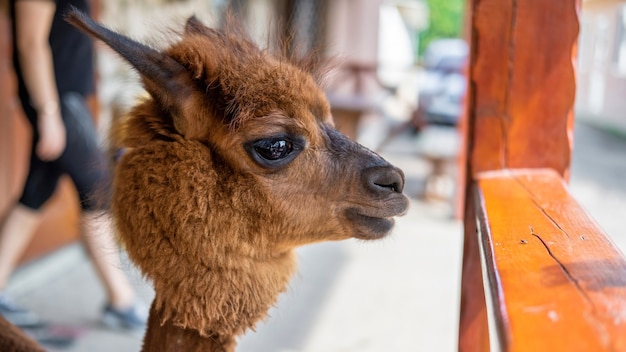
[[519, 115], [522, 84]]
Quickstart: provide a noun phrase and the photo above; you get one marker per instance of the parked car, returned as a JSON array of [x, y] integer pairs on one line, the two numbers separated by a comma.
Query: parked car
[[442, 83]]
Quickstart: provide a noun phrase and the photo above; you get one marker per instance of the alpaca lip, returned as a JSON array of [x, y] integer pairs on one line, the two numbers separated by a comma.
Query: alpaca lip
[[369, 227]]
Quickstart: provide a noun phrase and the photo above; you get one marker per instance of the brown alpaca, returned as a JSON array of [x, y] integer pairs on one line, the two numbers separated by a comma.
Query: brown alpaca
[[232, 163]]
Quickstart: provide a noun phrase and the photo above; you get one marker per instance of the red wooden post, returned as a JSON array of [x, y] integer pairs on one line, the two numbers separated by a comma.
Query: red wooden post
[[520, 113]]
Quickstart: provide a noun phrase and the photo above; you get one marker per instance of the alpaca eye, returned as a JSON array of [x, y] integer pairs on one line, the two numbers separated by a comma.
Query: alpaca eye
[[276, 151], [273, 149]]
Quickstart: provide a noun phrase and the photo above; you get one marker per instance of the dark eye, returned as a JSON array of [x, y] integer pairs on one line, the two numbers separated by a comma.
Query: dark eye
[[273, 149], [276, 151]]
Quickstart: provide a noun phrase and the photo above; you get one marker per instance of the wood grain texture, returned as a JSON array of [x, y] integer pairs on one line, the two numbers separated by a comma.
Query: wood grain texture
[[558, 281], [522, 84], [473, 320], [519, 115]]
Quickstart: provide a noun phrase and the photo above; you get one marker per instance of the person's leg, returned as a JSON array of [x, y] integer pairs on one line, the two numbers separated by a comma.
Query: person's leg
[[16, 232], [87, 165], [20, 223], [103, 251]]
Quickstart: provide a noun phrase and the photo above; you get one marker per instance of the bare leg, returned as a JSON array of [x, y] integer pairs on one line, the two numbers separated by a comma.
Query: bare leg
[[103, 250], [17, 231]]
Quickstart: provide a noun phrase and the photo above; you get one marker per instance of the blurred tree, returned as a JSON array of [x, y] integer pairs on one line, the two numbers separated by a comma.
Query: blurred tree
[[446, 21]]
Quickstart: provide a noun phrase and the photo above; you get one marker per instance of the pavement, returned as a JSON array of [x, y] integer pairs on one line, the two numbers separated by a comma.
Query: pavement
[[397, 294]]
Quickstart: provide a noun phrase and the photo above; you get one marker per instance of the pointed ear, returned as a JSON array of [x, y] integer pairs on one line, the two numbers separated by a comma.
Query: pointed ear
[[195, 26], [164, 78]]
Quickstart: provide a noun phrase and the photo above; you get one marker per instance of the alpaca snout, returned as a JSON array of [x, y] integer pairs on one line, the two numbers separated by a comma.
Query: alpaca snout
[[384, 180]]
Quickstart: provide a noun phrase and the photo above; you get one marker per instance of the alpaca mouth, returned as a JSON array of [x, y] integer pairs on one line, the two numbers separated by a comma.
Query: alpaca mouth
[[369, 227], [370, 223]]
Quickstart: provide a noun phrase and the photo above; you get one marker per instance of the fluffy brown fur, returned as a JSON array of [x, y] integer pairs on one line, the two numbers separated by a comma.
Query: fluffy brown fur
[[232, 162], [14, 340]]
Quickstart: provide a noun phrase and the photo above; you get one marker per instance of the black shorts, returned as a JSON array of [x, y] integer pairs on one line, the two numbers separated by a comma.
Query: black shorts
[[82, 159]]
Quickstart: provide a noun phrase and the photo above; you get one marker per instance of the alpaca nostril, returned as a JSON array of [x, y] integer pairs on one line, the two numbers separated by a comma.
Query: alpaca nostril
[[385, 179], [395, 187]]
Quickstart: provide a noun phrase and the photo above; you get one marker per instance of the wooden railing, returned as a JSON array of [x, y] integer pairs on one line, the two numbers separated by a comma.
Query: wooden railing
[[538, 273], [554, 280]]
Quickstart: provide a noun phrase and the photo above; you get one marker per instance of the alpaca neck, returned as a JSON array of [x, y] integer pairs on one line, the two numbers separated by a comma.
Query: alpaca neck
[[165, 336], [207, 310]]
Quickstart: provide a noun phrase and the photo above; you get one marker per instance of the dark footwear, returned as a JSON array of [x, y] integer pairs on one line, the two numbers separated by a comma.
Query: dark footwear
[[131, 318], [15, 314]]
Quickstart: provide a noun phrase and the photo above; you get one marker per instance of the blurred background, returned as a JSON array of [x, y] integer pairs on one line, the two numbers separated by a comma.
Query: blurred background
[[397, 86]]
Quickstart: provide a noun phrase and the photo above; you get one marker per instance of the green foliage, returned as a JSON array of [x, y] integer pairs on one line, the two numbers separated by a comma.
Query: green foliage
[[446, 21]]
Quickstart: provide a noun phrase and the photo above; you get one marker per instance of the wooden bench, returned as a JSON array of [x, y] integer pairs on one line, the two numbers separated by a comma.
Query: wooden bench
[[538, 273]]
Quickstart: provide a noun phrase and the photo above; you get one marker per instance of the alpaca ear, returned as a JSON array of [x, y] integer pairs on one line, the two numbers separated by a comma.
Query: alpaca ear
[[163, 77], [195, 26]]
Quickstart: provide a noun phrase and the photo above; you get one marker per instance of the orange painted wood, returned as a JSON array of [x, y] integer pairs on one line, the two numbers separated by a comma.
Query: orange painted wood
[[522, 84], [519, 112], [558, 282], [474, 329]]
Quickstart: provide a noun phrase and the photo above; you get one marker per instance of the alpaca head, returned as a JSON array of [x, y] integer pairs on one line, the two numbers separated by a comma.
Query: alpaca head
[[232, 162]]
